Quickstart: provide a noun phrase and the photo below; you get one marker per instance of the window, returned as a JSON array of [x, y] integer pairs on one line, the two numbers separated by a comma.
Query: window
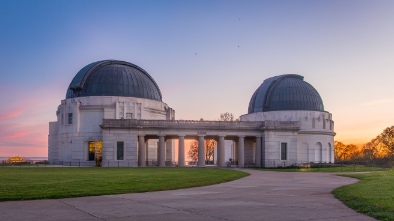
[[70, 118], [119, 150], [91, 151], [283, 151]]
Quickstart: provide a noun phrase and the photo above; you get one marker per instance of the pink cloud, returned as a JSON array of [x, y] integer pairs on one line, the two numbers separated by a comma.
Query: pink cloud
[[24, 140], [17, 135], [11, 114]]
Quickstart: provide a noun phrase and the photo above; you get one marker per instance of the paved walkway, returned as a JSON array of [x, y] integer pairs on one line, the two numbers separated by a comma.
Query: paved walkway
[[263, 195]]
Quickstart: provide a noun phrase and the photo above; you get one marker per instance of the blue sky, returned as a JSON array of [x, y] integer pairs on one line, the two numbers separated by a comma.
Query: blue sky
[[208, 57]]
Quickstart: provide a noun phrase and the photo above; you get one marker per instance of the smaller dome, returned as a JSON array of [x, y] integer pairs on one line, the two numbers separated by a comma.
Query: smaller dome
[[285, 92]]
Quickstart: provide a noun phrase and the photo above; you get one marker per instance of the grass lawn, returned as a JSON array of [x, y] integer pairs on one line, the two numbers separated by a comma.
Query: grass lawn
[[28, 183], [373, 195]]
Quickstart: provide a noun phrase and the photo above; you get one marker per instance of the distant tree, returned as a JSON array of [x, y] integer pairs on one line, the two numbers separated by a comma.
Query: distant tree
[[379, 149], [193, 151], [375, 150], [352, 152], [345, 152], [227, 117], [387, 139], [369, 150], [339, 151], [209, 147]]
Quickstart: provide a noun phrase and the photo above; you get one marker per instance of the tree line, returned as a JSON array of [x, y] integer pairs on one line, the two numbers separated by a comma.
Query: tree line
[[378, 150]]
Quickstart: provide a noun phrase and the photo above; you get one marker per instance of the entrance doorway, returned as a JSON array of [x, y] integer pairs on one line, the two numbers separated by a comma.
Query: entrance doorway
[[95, 152]]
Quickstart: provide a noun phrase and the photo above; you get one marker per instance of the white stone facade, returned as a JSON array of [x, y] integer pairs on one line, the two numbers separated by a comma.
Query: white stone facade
[[78, 123], [314, 142]]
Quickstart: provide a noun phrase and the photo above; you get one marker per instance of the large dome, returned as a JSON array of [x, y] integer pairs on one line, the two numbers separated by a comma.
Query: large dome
[[285, 92], [113, 78]]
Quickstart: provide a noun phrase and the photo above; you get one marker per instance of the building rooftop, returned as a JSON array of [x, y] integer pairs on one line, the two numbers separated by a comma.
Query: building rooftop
[[113, 78], [285, 92]]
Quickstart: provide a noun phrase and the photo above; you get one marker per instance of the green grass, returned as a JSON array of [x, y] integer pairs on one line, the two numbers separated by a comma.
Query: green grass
[[28, 183], [328, 168], [373, 195]]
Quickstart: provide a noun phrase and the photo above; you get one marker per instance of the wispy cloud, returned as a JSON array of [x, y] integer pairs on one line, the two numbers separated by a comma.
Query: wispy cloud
[[24, 140], [379, 102], [10, 114], [17, 135]]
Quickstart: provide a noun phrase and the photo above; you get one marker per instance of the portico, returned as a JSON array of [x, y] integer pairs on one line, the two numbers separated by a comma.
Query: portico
[[220, 131]]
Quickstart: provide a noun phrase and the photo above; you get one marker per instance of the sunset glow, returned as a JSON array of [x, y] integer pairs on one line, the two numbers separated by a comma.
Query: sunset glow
[[208, 57]]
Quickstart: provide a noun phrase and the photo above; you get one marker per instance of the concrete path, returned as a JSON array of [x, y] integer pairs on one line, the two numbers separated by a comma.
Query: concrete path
[[261, 196]]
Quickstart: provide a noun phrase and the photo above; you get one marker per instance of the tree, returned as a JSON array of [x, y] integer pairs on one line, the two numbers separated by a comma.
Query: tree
[[339, 151], [379, 148], [387, 139], [209, 147], [369, 150], [227, 117], [352, 152], [345, 152], [375, 150], [193, 151]]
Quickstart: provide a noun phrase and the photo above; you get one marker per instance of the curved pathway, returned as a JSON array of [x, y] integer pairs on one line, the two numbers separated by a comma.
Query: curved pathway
[[263, 195]]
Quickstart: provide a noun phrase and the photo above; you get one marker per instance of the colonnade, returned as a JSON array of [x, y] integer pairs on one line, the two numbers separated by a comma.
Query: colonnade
[[201, 156]]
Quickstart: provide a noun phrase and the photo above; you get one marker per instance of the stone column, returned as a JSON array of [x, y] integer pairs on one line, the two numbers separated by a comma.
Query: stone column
[[162, 151], [141, 151], [221, 160], [235, 145], [181, 151], [258, 152], [241, 151], [201, 155]]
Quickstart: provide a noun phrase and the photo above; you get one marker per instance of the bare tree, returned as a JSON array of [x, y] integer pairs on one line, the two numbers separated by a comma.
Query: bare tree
[[227, 117]]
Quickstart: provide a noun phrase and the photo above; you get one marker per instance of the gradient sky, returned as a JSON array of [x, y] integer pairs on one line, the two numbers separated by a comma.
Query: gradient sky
[[208, 57]]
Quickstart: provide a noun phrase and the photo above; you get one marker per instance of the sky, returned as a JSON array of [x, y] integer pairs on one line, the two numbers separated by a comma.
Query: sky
[[208, 57]]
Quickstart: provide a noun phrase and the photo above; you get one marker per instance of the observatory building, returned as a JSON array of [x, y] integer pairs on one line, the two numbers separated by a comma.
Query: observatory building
[[288, 98], [113, 115], [106, 89]]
